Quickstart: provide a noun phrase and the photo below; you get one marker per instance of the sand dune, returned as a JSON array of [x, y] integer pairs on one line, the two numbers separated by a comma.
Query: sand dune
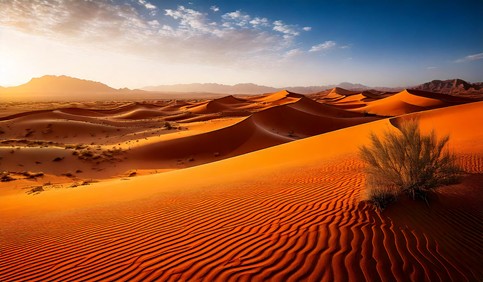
[[294, 216], [159, 135], [279, 97], [409, 101], [342, 91], [273, 126], [226, 104], [272, 195], [338, 93]]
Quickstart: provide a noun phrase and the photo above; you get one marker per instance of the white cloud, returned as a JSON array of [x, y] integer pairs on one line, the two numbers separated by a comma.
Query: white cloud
[[289, 31], [293, 53], [214, 8], [327, 45], [236, 18], [307, 28], [147, 5], [259, 22], [189, 19], [470, 58], [154, 24]]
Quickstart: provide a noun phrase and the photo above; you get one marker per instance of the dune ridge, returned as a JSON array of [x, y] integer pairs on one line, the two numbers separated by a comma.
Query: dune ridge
[[409, 101], [160, 134]]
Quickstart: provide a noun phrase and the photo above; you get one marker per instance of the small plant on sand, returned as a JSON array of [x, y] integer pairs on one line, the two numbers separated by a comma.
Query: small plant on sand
[[407, 162], [168, 125]]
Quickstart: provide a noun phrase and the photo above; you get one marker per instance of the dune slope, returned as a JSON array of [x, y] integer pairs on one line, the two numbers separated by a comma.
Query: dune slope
[[409, 101], [286, 213]]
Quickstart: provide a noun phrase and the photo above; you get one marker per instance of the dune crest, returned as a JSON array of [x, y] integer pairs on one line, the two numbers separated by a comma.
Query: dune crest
[[409, 101]]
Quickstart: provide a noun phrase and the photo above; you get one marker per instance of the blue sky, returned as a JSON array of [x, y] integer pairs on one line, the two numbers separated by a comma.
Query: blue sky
[[135, 43]]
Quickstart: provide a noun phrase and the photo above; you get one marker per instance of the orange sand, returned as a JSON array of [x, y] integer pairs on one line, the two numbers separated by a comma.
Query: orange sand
[[128, 136], [290, 212]]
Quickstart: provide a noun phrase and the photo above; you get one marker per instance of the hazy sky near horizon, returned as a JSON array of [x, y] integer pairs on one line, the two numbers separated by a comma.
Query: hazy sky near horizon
[[135, 43]]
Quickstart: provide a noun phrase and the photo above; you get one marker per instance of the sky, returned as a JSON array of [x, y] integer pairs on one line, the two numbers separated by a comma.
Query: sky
[[137, 43]]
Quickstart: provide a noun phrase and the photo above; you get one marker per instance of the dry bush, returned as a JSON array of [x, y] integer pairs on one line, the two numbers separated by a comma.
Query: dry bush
[[407, 162]]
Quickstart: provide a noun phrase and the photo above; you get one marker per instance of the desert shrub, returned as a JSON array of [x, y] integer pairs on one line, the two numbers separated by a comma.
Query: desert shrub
[[168, 125], [407, 162]]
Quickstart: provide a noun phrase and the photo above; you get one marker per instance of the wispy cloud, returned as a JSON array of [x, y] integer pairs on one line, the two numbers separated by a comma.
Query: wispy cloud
[[469, 58], [147, 5], [236, 18], [139, 26], [259, 22], [189, 20], [327, 45], [288, 31], [293, 53]]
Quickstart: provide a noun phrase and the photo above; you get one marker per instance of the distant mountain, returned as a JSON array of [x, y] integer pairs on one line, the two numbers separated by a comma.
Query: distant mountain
[[52, 87], [455, 87], [351, 86], [69, 88], [242, 88], [58, 85], [65, 88], [248, 88]]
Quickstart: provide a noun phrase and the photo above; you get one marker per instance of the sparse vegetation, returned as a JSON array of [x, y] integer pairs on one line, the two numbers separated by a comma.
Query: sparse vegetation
[[68, 174], [32, 175], [58, 159], [5, 177], [99, 154], [168, 125], [36, 190], [407, 162]]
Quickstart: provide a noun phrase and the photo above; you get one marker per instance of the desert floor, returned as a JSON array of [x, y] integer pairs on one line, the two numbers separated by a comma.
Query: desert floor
[[249, 188]]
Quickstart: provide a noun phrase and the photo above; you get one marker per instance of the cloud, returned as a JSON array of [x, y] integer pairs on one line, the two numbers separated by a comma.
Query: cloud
[[147, 5], [327, 45], [431, 68], [470, 58], [178, 34], [259, 22], [293, 53], [236, 18], [289, 31], [189, 19], [214, 8], [307, 28]]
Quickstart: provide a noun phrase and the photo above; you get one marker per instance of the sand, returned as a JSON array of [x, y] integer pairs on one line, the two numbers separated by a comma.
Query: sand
[[276, 205], [111, 140]]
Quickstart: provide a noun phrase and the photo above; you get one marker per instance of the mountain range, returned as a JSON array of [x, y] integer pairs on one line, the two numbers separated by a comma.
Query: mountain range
[[66, 87], [455, 87], [250, 88]]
